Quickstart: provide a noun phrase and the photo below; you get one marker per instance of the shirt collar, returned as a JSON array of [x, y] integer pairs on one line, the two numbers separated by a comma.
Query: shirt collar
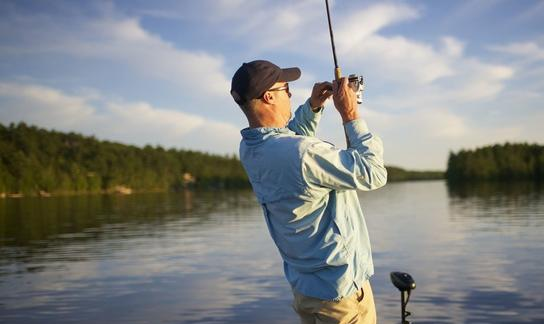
[[263, 132]]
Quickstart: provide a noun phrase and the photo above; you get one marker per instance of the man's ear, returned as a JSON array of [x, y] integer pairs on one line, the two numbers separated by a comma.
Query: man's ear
[[268, 97]]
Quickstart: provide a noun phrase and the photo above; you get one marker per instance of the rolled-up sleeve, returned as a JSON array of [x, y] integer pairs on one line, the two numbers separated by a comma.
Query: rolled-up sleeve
[[305, 121], [359, 167]]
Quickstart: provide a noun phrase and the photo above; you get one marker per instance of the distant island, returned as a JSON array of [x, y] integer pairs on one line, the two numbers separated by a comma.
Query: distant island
[[506, 162], [36, 161]]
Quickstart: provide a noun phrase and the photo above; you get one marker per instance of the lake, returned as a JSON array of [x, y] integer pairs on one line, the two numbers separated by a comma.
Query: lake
[[475, 252]]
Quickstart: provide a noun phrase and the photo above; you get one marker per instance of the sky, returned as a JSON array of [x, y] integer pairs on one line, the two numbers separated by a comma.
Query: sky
[[440, 75]]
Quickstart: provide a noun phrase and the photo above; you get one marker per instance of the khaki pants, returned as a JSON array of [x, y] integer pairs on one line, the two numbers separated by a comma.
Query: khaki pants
[[355, 309]]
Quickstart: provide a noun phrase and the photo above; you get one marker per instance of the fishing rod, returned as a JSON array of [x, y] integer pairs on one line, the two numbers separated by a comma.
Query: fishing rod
[[402, 280], [355, 81]]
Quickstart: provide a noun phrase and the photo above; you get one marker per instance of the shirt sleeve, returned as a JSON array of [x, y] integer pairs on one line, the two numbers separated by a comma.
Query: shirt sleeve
[[305, 121], [361, 166]]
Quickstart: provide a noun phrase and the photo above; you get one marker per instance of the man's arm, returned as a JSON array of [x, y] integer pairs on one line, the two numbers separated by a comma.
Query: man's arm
[[361, 166], [306, 120], [308, 115]]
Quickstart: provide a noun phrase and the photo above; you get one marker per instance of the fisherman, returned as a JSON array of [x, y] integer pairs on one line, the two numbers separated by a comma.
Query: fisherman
[[307, 190]]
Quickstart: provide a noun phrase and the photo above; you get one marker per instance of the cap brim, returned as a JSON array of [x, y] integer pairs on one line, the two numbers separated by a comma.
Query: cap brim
[[289, 74]]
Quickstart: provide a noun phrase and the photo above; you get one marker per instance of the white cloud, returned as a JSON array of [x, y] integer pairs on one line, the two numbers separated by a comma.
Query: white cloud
[[126, 42], [357, 27], [422, 138], [531, 51], [403, 60], [477, 81], [527, 58], [42, 105], [442, 123], [120, 40], [397, 57], [142, 122], [262, 27], [137, 123], [452, 47]]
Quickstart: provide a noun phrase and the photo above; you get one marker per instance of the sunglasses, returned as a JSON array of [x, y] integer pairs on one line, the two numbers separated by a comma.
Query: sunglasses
[[285, 87]]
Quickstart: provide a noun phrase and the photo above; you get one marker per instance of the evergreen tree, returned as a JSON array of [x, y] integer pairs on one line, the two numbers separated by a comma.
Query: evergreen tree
[[498, 162]]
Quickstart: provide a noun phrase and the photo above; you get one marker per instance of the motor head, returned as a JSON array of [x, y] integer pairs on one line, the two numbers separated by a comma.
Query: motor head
[[403, 281]]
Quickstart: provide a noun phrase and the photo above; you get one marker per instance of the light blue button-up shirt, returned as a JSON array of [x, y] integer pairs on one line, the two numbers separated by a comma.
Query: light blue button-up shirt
[[307, 189]]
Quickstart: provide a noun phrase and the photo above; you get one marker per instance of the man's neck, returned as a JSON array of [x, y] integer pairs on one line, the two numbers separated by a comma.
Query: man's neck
[[267, 120]]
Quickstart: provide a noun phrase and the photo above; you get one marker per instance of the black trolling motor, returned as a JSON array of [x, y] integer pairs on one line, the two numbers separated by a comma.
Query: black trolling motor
[[405, 283], [355, 81]]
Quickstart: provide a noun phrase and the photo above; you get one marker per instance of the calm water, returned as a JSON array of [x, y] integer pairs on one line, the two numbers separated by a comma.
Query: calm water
[[477, 255]]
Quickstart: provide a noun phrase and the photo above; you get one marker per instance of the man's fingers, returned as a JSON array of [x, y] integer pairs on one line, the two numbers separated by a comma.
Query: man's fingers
[[326, 85], [321, 86], [326, 93], [321, 92]]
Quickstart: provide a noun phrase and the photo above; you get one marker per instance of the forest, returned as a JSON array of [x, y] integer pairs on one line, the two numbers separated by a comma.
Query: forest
[[399, 174], [35, 160], [38, 161], [500, 162]]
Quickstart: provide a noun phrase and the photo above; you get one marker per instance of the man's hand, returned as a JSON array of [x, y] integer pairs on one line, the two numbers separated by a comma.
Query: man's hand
[[345, 100], [320, 93]]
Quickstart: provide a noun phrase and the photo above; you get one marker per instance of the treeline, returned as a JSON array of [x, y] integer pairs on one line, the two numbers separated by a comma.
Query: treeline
[[35, 160], [498, 162], [39, 161], [399, 174]]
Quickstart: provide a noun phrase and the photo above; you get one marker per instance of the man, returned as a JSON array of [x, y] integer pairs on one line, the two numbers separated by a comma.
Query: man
[[307, 189]]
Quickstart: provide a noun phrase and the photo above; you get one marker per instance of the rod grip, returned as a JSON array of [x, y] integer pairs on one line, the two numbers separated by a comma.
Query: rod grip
[[337, 73]]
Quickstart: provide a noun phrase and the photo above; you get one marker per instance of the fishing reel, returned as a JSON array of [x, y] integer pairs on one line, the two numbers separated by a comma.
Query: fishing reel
[[356, 83]]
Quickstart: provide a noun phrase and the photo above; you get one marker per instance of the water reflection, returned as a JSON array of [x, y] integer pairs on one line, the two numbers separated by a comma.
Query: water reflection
[[493, 189], [503, 246], [29, 225], [143, 258], [510, 204], [206, 257], [476, 254]]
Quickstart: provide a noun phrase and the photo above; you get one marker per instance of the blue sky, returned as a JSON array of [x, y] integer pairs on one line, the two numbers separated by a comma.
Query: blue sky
[[441, 75]]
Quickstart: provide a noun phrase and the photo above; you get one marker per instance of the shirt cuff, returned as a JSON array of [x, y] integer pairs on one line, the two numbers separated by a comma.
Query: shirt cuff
[[317, 111]]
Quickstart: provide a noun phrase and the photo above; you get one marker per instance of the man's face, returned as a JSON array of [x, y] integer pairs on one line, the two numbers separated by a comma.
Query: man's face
[[281, 90]]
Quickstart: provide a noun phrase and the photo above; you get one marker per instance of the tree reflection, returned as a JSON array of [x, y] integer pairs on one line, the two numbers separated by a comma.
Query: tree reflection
[[31, 225], [487, 189], [517, 203]]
